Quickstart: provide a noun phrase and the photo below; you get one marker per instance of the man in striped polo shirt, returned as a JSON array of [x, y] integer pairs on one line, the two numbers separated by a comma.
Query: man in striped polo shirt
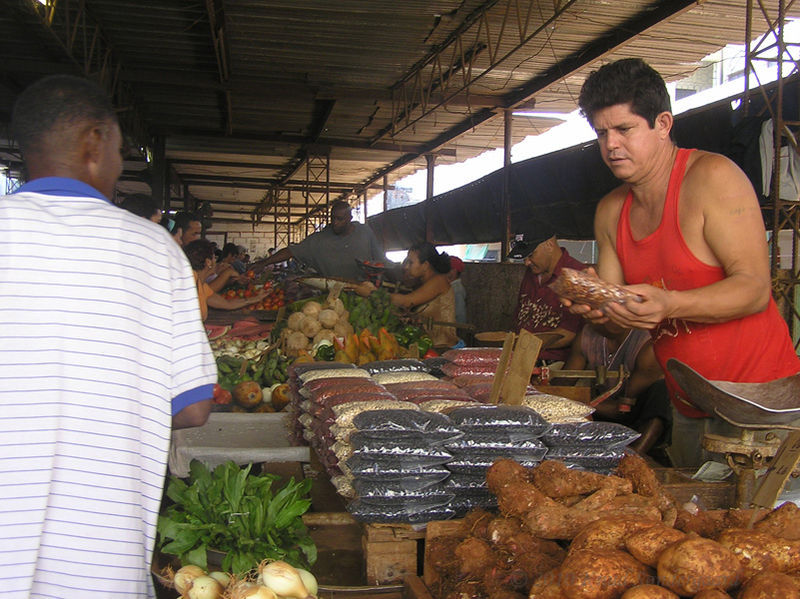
[[102, 351]]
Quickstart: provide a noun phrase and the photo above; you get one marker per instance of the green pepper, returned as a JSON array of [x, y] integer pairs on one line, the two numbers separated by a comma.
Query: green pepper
[[325, 352], [424, 343]]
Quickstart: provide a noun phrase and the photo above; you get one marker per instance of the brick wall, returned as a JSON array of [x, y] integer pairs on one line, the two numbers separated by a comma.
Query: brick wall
[[256, 241]]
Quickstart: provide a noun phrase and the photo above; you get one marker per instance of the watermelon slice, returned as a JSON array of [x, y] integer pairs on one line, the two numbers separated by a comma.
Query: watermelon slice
[[215, 331]]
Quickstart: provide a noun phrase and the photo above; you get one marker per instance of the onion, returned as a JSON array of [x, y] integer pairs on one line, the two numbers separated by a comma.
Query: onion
[[248, 590], [221, 577], [283, 579], [184, 577], [309, 581], [204, 587]]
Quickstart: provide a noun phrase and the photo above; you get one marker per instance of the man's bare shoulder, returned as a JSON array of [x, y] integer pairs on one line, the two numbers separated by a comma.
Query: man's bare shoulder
[[610, 204], [712, 177]]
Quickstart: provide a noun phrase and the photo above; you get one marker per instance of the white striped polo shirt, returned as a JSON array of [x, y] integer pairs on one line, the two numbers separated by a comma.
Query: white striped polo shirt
[[101, 342]]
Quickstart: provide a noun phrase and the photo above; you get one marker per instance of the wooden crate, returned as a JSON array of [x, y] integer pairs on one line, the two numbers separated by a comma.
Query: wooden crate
[[390, 551], [414, 588], [710, 496]]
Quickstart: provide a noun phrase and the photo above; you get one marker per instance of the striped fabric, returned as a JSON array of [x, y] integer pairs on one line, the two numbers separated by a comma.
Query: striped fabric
[[101, 342]]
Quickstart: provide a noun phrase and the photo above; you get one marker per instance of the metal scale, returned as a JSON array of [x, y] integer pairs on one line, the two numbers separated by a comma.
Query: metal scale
[[750, 407]]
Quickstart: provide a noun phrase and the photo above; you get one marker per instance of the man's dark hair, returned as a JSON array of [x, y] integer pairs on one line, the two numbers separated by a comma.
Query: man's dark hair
[[627, 81], [339, 204], [198, 251], [427, 252], [182, 219], [230, 249], [53, 105], [141, 205]]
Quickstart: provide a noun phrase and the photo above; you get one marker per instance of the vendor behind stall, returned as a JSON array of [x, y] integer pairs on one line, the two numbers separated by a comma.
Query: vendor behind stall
[[201, 257], [539, 309], [432, 297], [643, 402], [686, 233], [333, 251]]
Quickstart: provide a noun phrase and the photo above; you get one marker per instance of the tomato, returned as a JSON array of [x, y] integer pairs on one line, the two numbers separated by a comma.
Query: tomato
[[248, 293], [250, 274]]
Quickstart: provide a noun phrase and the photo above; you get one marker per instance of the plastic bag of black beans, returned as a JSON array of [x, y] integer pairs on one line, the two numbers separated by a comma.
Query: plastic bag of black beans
[[508, 418], [403, 512], [594, 433]]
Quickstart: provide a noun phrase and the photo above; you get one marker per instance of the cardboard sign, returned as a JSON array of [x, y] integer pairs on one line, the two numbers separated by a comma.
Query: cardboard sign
[[499, 375], [780, 468]]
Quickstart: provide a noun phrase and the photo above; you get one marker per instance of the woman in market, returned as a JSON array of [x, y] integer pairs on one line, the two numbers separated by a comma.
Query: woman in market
[[432, 297], [201, 257]]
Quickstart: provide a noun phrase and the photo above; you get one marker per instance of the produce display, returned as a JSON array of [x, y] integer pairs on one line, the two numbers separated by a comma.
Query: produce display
[[228, 509], [274, 299], [569, 534]]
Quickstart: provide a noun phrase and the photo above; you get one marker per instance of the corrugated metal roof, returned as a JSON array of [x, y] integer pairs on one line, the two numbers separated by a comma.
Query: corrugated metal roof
[[242, 92]]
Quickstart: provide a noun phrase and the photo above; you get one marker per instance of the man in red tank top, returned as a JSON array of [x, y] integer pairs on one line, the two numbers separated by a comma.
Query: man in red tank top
[[684, 231]]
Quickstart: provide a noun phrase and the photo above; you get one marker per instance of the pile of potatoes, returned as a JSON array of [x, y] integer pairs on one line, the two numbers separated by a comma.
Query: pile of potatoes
[[315, 323], [564, 534]]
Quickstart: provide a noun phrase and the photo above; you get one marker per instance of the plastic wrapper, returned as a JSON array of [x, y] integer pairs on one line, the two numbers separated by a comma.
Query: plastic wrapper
[[434, 365], [414, 483], [481, 369], [345, 413], [368, 440], [405, 365], [469, 356], [392, 467], [586, 458], [419, 395], [344, 485], [324, 396], [409, 512], [486, 446], [320, 386], [400, 449], [386, 378], [465, 380], [326, 373], [392, 495], [295, 370], [387, 423], [478, 465], [590, 434], [583, 288], [554, 408], [462, 504], [508, 418], [444, 405], [467, 483]]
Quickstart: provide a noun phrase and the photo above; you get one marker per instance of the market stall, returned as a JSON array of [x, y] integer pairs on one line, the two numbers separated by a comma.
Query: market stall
[[505, 499]]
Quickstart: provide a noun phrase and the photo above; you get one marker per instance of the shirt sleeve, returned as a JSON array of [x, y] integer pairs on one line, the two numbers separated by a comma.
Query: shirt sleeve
[[306, 250], [194, 370]]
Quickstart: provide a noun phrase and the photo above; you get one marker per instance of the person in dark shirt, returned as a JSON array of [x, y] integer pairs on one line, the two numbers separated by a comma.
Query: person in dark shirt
[[539, 309]]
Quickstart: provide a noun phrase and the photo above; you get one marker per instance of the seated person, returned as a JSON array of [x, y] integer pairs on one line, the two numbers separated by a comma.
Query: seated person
[[232, 256], [539, 310], [642, 403], [432, 297], [201, 256]]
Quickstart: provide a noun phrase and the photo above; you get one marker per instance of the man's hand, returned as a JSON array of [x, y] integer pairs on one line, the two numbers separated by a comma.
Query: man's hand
[[656, 305], [364, 289], [585, 310]]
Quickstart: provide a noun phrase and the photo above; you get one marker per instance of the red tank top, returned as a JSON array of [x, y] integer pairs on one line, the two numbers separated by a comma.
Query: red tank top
[[753, 349]]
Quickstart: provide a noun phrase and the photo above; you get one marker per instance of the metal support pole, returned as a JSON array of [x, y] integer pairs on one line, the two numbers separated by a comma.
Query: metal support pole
[[385, 192], [160, 185], [506, 216], [431, 161]]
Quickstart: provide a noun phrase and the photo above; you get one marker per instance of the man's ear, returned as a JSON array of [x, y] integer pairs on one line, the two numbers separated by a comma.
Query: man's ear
[[663, 124], [93, 143]]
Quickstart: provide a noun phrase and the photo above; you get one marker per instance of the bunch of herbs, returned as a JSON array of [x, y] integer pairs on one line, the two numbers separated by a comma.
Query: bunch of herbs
[[238, 513]]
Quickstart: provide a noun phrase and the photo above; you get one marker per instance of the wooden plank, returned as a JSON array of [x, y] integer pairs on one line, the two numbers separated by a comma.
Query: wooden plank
[[500, 373], [414, 588], [526, 351], [389, 562], [387, 533]]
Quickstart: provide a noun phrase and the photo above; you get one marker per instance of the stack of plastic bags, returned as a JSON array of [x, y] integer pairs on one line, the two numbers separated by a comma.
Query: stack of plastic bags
[[589, 445]]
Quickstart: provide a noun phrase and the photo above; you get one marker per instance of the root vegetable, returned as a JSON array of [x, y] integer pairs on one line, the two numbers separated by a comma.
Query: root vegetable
[[328, 318], [204, 587], [309, 580], [690, 566], [221, 577], [342, 328], [184, 577], [609, 533], [283, 579], [295, 342], [647, 545], [648, 591], [504, 472], [248, 394], [475, 556], [310, 327], [759, 552], [606, 574], [712, 594], [337, 306], [323, 335], [295, 320], [770, 585], [248, 590], [312, 309]]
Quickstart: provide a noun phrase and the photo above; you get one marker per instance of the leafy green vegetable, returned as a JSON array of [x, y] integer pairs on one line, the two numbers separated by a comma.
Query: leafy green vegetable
[[230, 510]]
